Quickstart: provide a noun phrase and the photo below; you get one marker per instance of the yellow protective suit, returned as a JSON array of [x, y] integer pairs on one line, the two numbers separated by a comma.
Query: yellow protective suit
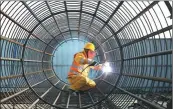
[[78, 80]]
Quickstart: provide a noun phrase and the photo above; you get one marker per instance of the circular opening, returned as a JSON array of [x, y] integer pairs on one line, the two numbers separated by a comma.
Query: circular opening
[[63, 58]]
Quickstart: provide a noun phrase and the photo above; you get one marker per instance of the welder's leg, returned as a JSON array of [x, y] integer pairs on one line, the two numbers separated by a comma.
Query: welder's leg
[[79, 82], [90, 84]]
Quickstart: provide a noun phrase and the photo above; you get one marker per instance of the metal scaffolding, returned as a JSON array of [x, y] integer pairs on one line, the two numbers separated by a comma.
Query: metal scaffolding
[[134, 36]]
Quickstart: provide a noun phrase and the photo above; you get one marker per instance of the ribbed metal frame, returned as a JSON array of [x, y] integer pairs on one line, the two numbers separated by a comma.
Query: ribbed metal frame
[[138, 48]]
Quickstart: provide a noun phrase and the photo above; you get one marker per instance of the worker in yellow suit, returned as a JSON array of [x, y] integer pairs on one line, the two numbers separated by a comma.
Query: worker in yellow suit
[[82, 63]]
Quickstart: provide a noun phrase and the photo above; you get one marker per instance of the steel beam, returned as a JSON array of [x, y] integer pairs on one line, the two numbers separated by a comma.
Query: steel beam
[[108, 83], [110, 17], [58, 96], [16, 59], [80, 105], [110, 103], [150, 55], [149, 77], [10, 59], [65, 4], [20, 44], [148, 36], [7, 16], [81, 4], [169, 8], [47, 4], [91, 98], [153, 105], [68, 101], [137, 16], [72, 30], [36, 101], [30, 10], [20, 92], [94, 15], [137, 97], [143, 38], [21, 75]]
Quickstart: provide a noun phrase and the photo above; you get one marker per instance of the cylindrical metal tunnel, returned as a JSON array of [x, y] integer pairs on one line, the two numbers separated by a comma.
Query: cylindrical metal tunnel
[[135, 37]]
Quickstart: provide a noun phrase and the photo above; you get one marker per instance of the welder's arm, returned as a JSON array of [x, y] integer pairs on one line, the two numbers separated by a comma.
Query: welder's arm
[[98, 67], [82, 60]]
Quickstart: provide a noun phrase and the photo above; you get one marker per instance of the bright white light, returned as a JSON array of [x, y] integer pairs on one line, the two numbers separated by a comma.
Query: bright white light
[[106, 67], [106, 64]]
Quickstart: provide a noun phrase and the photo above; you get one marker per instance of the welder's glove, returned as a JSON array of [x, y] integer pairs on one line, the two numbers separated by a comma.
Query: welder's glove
[[98, 67]]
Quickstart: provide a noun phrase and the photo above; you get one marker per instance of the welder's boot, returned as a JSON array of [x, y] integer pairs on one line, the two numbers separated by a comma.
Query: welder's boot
[[73, 92]]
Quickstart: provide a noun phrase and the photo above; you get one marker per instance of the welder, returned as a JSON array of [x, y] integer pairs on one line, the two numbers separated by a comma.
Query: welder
[[82, 63]]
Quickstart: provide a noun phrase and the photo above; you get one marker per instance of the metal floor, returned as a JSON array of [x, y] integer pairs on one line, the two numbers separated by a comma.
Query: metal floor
[[135, 37]]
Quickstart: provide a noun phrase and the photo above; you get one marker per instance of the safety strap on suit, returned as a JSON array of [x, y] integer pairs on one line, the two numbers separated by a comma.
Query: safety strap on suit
[[76, 67]]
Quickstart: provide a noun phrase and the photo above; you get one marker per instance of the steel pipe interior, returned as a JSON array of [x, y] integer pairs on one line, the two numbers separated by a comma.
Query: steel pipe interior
[[133, 36]]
